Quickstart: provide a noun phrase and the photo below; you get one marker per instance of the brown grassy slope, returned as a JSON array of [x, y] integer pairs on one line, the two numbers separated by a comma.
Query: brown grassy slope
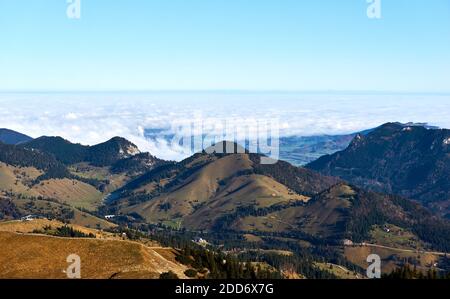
[[15, 179], [219, 187], [19, 180], [72, 192], [194, 190], [253, 190], [44, 257], [390, 258], [85, 170], [318, 218], [43, 207], [339, 271], [24, 227]]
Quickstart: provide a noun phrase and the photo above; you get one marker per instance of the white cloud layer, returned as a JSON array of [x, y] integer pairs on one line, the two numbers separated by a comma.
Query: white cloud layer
[[91, 118]]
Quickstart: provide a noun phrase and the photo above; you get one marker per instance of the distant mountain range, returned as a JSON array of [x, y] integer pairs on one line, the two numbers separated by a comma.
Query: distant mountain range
[[358, 195]]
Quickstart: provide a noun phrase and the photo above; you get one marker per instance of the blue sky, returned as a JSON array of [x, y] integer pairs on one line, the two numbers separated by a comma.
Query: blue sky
[[225, 44]]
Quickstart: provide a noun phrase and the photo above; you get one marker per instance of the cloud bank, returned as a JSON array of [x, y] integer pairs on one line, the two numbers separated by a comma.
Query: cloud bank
[[149, 119]]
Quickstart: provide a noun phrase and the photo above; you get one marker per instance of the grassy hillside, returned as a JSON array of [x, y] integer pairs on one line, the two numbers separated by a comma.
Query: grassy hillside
[[106, 167], [44, 257], [19, 207], [28, 227], [71, 192], [201, 189], [323, 217], [18, 179], [251, 211], [339, 271], [344, 212], [22, 181], [253, 190], [234, 192], [391, 258]]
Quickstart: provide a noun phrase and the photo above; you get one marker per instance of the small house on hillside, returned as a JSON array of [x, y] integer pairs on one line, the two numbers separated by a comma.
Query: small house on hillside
[[201, 241], [348, 242], [28, 218]]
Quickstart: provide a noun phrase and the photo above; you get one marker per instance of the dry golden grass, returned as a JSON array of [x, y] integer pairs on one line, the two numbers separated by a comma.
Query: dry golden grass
[[213, 190], [252, 238], [252, 190], [73, 192], [88, 171], [87, 220], [339, 271], [85, 170], [25, 227], [18, 226], [264, 191], [44, 257], [291, 274], [196, 189], [359, 254], [43, 207], [318, 219], [273, 251], [15, 179], [270, 223]]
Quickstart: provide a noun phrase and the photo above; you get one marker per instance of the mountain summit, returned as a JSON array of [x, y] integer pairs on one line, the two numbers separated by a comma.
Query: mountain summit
[[103, 154], [111, 151]]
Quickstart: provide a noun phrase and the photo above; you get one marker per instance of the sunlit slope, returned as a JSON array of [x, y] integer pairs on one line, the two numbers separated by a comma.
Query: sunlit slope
[[322, 217], [17, 179], [38, 256], [60, 211], [215, 185], [22, 181], [72, 192]]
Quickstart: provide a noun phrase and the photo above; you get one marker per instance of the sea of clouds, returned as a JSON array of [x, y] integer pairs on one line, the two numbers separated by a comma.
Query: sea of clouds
[[150, 119]]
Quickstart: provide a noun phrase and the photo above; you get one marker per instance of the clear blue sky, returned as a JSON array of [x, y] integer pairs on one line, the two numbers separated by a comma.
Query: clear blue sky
[[225, 44]]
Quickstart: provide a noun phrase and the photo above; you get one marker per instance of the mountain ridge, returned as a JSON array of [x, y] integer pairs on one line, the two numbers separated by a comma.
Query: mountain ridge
[[411, 161], [102, 154], [12, 137], [227, 197]]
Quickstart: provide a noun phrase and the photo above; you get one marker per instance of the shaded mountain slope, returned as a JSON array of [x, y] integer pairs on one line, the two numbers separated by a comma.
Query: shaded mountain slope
[[411, 161], [103, 154], [13, 137], [63, 150], [24, 157]]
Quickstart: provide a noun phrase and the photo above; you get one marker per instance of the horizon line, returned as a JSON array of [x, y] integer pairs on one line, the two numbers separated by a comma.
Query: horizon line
[[267, 91]]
